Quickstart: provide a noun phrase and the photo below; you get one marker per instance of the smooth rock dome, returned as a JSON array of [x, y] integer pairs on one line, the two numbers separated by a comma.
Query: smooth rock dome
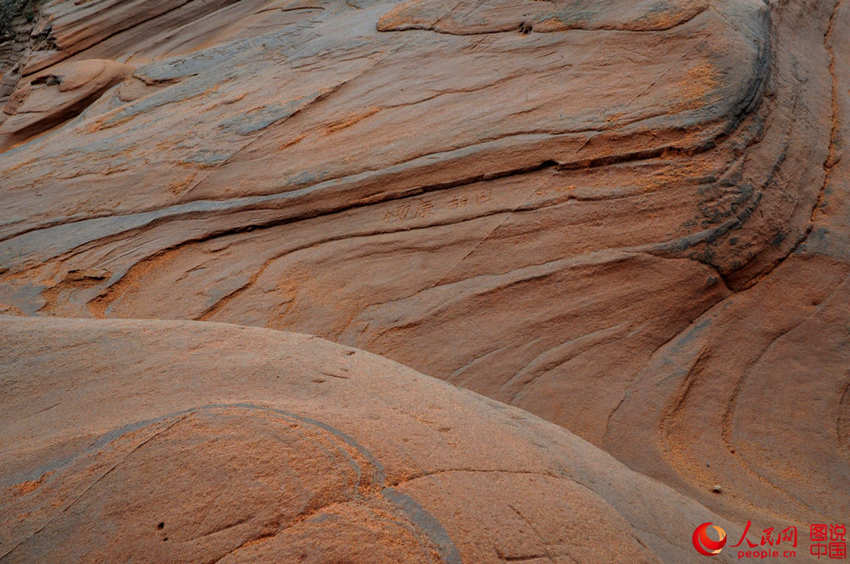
[[186, 441]]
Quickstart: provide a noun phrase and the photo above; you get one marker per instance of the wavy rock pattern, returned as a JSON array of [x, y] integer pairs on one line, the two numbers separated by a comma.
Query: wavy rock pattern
[[628, 218], [51, 97]]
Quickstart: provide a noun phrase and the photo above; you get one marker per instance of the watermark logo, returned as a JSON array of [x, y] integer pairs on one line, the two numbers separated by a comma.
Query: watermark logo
[[705, 544], [828, 541]]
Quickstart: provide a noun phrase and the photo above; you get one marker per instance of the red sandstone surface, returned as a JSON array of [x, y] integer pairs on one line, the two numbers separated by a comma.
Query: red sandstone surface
[[618, 230]]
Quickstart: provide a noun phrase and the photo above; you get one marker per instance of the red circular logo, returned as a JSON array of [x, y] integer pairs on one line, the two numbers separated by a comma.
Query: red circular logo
[[705, 544]]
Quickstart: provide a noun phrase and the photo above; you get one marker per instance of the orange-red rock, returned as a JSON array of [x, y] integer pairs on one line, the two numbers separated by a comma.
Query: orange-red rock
[[50, 97], [627, 217], [185, 441]]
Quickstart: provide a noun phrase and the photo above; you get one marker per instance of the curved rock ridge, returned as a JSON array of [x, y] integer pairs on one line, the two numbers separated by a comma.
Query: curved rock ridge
[[48, 98], [759, 385], [185, 441], [629, 218], [469, 17]]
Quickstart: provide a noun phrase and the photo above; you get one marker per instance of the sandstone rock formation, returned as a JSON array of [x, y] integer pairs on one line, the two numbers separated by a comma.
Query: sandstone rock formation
[[50, 97], [627, 217], [239, 444]]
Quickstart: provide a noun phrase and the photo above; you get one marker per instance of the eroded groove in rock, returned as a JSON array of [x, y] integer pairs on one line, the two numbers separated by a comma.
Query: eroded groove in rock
[[760, 363], [618, 218]]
